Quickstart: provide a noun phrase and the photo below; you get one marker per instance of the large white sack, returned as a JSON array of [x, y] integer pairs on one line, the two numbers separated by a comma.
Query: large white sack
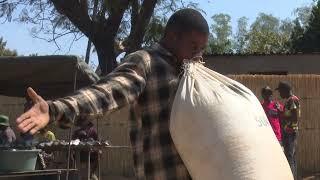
[[221, 131]]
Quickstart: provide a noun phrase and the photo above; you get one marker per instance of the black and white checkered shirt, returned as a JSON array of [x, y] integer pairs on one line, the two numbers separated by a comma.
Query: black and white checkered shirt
[[147, 80]]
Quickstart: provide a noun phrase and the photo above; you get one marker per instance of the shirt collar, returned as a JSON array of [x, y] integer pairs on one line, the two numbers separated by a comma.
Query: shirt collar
[[167, 55]]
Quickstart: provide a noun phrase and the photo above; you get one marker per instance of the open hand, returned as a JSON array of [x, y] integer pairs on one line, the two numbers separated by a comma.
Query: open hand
[[36, 117]]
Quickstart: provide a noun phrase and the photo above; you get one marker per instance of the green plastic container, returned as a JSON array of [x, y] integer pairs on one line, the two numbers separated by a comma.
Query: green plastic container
[[18, 160]]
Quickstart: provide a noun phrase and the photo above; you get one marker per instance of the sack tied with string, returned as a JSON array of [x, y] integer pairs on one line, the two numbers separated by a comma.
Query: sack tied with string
[[221, 131]]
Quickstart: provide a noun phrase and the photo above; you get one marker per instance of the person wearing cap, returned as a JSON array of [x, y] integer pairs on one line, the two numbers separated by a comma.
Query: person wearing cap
[[7, 135], [273, 111], [290, 118]]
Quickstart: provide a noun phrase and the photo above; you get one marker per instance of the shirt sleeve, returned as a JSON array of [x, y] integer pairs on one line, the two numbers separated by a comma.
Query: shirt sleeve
[[294, 104], [121, 87]]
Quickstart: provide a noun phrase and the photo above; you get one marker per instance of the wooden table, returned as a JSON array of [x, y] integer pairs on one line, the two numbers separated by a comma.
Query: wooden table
[[76, 149]]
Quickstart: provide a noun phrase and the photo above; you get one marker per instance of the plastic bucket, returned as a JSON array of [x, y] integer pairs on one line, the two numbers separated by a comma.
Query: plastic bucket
[[18, 160]]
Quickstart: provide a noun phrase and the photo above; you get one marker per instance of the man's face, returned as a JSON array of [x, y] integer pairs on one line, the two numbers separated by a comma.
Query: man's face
[[190, 44], [266, 96], [283, 93]]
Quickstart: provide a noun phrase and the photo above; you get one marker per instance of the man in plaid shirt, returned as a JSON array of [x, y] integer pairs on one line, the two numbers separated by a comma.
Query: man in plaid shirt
[[147, 81]]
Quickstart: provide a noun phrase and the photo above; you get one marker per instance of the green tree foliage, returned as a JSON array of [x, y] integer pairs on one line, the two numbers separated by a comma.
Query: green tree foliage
[[268, 35], [241, 36], [220, 39], [306, 38], [303, 15], [155, 30], [5, 51]]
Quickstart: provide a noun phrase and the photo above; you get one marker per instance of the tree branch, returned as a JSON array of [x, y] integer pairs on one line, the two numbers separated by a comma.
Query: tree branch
[[113, 22], [137, 32], [135, 13], [77, 12], [146, 12]]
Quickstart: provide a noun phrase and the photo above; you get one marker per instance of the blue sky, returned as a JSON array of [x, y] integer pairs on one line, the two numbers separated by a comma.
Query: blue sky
[[251, 8], [18, 35]]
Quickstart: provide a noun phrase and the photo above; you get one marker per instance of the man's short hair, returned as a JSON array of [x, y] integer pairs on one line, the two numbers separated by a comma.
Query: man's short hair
[[186, 20]]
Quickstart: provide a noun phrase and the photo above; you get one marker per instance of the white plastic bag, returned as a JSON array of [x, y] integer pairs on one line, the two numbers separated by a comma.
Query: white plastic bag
[[221, 131]]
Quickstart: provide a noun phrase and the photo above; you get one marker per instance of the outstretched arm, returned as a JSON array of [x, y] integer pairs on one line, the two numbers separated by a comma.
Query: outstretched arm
[[122, 86]]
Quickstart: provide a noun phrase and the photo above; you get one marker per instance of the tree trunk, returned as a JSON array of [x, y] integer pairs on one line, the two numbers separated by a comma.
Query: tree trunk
[[95, 9], [102, 32], [106, 56], [140, 23]]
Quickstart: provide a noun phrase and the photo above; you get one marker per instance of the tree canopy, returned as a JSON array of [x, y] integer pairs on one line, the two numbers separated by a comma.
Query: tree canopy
[[5, 51], [112, 26], [306, 34]]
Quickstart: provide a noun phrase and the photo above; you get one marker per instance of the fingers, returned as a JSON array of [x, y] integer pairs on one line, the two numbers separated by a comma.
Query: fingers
[[26, 125], [34, 130], [33, 95], [24, 116], [29, 127]]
